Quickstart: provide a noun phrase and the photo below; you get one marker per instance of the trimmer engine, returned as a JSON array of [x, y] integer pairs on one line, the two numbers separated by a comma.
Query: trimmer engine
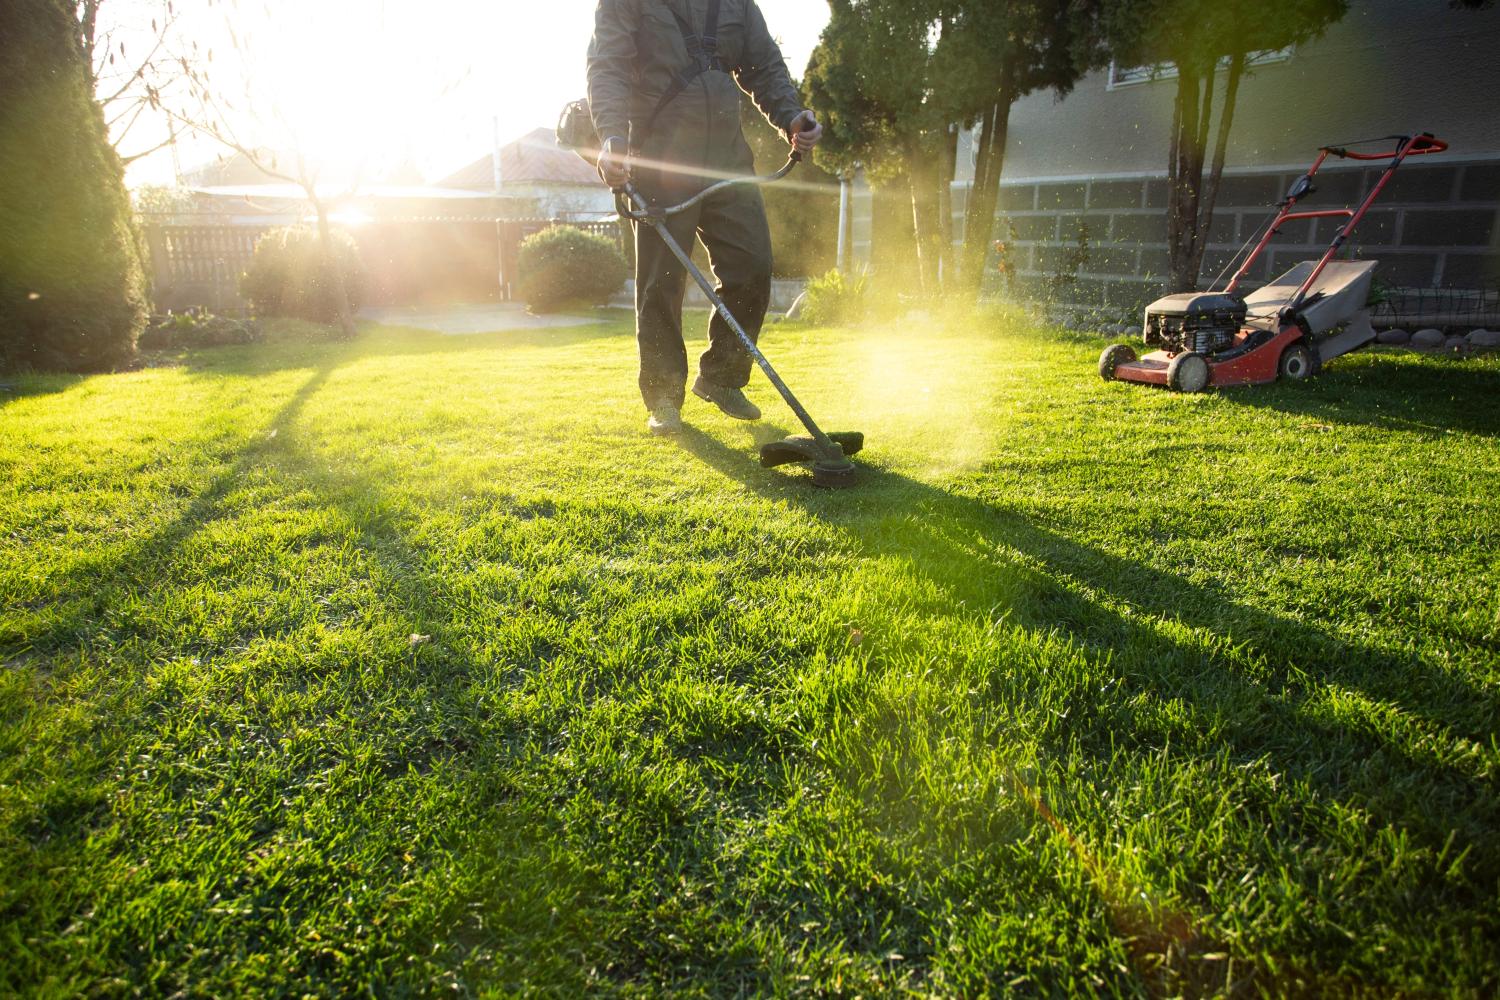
[[1204, 322]]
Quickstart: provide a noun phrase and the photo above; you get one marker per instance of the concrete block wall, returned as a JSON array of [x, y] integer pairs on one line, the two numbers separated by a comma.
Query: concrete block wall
[[1437, 224]]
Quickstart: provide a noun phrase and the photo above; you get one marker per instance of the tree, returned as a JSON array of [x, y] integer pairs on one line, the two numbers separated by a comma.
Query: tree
[[72, 293], [868, 80], [989, 55], [803, 211], [130, 81], [895, 79], [1204, 40], [329, 105]]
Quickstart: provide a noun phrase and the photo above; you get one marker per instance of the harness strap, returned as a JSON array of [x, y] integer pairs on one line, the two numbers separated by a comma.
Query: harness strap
[[711, 36], [703, 50]]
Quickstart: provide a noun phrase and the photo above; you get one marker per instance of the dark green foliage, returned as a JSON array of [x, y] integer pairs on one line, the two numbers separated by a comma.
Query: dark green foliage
[[835, 299], [1200, 37], [869, 81], [72, 292], [804, 213], [289, 275], [196, 329], [892, 78], [1196, 34], [567, 266]]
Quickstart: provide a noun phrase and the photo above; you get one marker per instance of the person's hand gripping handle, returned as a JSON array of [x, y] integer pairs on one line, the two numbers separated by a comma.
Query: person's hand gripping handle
[[804, 133], [614, 163]]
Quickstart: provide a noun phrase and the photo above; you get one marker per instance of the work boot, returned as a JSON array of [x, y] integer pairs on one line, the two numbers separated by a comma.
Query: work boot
[[665, 419], [727, 398]]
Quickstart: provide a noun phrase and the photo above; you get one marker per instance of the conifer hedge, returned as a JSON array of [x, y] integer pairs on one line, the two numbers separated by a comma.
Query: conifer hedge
[[72, 289]]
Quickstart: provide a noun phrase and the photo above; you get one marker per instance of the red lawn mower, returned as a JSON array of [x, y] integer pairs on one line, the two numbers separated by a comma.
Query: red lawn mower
[[1286, 329]]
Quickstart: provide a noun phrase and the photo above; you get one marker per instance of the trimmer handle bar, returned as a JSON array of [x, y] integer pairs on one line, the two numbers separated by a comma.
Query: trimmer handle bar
[[627, 196], [829, 453]]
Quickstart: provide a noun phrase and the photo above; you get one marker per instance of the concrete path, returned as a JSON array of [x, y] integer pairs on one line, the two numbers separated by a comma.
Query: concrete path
[[488, 317]]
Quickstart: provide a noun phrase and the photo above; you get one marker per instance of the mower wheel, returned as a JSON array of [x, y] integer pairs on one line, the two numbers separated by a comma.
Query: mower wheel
[[1114, 356], [1188, 372], [1298, 362]]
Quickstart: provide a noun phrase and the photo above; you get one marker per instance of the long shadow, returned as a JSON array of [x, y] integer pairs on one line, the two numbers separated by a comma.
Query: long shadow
[[17, 387], [969, 549], [1426, 396], [436, 680], [965, 546], [91, 583], [88, 581], [387, 342]]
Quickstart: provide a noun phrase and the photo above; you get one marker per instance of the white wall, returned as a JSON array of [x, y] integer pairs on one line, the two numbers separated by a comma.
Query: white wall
[[1389, 66]]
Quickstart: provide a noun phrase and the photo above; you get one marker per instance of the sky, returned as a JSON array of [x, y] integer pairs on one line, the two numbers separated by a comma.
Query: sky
[[382, 81]]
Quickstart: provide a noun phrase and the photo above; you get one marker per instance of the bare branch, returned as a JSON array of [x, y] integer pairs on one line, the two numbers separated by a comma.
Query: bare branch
[[171, 138]]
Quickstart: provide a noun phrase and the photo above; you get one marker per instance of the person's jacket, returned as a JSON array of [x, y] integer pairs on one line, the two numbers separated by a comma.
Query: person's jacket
[[638, 48]]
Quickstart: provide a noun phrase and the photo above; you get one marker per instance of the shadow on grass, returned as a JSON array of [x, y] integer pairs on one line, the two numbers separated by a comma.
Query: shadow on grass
[[1252, 671], [1392, 392], [385, 342], [435, 680], [14, 388], [977, 554], [134, 563]]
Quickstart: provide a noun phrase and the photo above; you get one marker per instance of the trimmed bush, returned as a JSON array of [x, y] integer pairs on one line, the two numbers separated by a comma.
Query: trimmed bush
[[72, 291], [835, 299], [197, 329], [565, 266], [288, 275]]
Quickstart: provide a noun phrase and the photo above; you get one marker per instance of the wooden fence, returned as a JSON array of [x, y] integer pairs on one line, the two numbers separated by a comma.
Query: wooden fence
[[199, 266], [420, 260]]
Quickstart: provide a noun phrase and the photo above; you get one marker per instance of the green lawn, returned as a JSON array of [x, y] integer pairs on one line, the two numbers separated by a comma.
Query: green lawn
[[413, 665]]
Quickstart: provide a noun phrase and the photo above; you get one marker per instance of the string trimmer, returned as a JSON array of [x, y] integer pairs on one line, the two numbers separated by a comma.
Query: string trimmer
[[826, 454]]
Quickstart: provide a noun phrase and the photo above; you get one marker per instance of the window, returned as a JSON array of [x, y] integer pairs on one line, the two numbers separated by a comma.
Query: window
[[1127, 76]]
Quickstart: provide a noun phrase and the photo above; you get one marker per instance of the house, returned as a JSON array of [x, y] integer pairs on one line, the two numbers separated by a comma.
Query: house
[[419, 243], [1094, 163], [545, 181]]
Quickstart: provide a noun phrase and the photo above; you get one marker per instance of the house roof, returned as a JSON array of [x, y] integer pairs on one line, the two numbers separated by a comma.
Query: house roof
[[238, 170], [373, 192], [234, 168], [533, 158]]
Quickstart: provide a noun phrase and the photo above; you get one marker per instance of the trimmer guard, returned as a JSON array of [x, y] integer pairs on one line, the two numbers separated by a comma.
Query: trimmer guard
[[792, 450]]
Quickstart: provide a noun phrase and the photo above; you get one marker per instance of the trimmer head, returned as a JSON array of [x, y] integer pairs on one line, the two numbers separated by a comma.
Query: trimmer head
[[833, 475], [832, 471]]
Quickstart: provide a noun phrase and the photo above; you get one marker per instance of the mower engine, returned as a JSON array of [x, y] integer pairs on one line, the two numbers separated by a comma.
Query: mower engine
[[1204, 322]]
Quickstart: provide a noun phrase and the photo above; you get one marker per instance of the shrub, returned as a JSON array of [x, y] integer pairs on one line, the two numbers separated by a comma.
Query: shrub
[[197, 329], [288, 275], [566, 266], [72, 291], [836, 299]]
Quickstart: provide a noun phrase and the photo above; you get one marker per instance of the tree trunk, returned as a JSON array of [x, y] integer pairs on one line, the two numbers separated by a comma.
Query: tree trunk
[[1210, 196], [947, 168], [1185, 177], [921, 173], [979, 216], [334, 269], [88, 19]]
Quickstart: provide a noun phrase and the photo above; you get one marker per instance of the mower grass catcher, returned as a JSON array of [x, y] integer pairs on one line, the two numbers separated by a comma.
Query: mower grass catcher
[[1286, 329]]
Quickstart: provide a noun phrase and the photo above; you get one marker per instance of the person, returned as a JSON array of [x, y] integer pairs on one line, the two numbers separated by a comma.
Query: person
[[664, 82]]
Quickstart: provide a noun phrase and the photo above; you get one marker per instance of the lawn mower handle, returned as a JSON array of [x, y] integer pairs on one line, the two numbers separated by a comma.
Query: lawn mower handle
[[1415, 144], [1406, 145]]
